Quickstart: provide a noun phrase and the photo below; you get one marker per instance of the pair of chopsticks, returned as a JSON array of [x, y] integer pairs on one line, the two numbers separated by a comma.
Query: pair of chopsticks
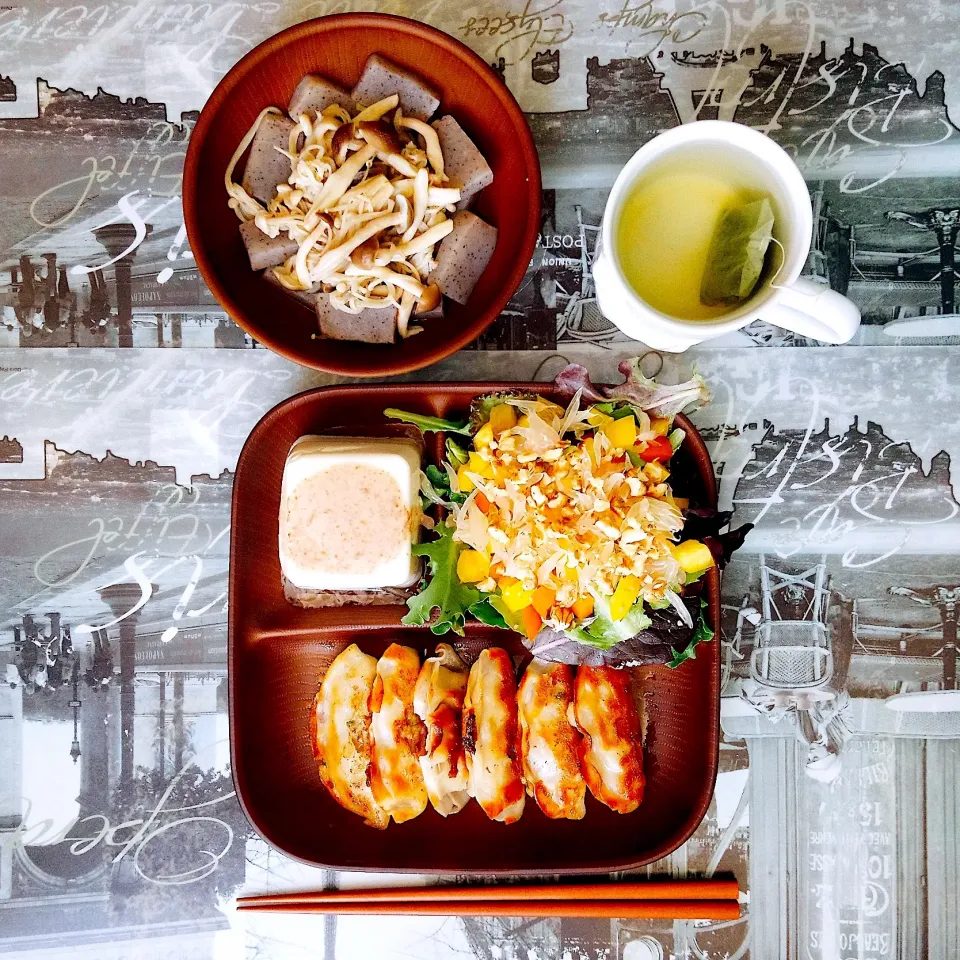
[[665, 899]]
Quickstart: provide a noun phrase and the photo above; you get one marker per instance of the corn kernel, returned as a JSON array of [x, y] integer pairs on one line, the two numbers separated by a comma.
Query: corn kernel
[[624, 597], [472, 566], [502, 417], [693, 556], [621, 433]]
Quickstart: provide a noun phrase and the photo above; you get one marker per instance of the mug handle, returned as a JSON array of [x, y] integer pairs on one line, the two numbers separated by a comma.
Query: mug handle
[[814, 310]]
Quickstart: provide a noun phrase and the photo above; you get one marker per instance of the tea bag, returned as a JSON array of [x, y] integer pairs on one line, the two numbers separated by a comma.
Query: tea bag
[[737, 250]]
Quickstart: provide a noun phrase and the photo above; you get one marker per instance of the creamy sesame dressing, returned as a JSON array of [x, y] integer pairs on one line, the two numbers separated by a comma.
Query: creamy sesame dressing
[[349, 518]]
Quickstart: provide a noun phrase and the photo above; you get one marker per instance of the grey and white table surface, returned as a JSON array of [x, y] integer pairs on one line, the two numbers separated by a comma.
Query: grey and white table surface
[[125, 395]]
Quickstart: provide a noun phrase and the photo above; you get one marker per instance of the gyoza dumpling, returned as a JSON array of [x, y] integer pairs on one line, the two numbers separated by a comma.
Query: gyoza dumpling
[[340, 731], [438, 702], [491, 737], [611, 757], [549, 744], [398, 736]]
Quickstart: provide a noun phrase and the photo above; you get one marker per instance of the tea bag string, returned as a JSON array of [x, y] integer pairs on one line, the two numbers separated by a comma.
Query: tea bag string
[[786, 286]]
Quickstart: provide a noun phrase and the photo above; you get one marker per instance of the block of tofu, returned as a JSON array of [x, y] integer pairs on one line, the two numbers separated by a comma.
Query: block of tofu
[[266, 167], [265, 251], [307, 297], [314, 94], [349, 513], [463, 163], [463, 256], [373, 325], [381, 78]]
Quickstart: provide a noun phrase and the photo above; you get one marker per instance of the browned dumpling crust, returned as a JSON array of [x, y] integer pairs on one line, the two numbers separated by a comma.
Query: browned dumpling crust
[[491, 737], [549, 743], [611, 757], [340, 733], [398, 736]]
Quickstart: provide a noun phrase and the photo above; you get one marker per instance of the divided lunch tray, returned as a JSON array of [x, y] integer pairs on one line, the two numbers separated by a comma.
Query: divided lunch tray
[[278, 654]]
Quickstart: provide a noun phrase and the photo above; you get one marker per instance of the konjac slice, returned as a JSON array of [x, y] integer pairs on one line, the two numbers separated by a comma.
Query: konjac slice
[[549, 743], [611, 754], [491, 737], [438, 702], [340, 733], [398, 736]]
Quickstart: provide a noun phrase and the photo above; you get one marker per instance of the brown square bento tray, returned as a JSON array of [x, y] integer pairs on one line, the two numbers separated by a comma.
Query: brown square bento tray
[[278, 654]]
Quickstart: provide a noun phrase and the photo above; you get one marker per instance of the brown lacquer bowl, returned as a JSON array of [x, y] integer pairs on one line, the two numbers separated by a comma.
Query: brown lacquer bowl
[[278, 654], [337, 47]]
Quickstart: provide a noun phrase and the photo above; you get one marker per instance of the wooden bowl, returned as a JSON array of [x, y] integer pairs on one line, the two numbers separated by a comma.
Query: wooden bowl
[[278, 654], [337, 48]]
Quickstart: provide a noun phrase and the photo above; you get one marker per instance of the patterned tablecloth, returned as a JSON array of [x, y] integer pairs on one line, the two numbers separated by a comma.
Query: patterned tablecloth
[[120, 834]]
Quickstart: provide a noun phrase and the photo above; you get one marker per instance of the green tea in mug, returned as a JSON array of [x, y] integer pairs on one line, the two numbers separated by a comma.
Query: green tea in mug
[[692, 239]]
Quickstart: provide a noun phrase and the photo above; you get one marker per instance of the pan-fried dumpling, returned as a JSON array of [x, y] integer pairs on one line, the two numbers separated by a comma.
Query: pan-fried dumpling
[[490, 737], [438, 702], [340, 731], [611, 753], [549, 744], [398, 736]]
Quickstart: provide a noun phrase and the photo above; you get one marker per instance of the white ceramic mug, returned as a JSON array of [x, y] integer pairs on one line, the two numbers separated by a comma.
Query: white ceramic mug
[[797, 304]]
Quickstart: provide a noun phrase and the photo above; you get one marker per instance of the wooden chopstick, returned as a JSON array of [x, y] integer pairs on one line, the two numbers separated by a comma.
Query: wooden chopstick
[[626, 909], [644, 890]]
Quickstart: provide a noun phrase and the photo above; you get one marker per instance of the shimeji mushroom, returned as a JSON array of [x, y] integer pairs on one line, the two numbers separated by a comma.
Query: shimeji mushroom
[[431, 142], [388, 146]]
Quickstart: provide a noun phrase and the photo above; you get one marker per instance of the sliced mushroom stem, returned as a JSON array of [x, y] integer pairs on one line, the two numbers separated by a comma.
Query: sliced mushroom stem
[[376, 110], [431, 142], [407, 303], [421, 193], [338, 183], [443, 196], [402, 280], [334, 258], [420, 242]]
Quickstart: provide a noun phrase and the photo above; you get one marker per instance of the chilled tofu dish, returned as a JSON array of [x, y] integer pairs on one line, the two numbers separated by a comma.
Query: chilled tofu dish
[[349, 513], [554, 518], [355, 203]]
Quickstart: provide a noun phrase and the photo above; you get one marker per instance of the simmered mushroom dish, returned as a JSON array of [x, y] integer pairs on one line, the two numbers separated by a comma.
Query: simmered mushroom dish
[[355, 204]]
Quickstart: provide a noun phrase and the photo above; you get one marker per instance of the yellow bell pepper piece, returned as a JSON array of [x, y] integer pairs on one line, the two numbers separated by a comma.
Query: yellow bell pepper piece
[[484, 436], [621, 433], [502, 417], [472, 566], [693, 556], [660, 426], [515, 597], [477, 464], [466, 484], [624, 597]]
